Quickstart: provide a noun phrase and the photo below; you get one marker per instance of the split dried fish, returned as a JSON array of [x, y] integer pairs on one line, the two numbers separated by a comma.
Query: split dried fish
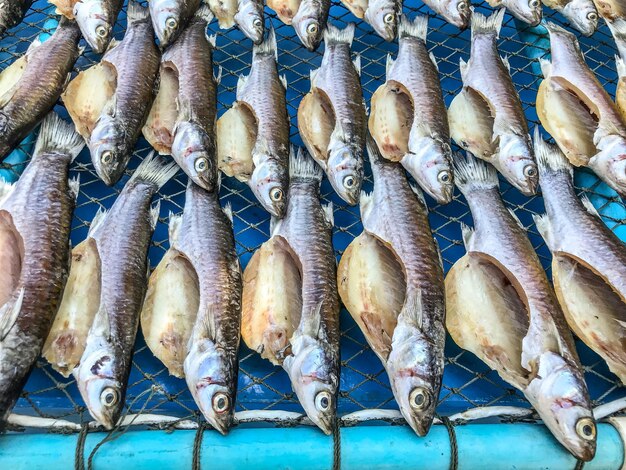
[[580, 115], [296, 324], [12, 13], [182, 121], [582, 14], [96, 19], [250, 18], [171, 17], [122, 239], [30, 86], [528, 11], [332, 119], [456, 12], [382, 15], [589, 261], [611, 10], [110, 101], [35, 223], [501, 307], [391, 281], [487, 118], [409, 120], [285, 9], [253, 136], [310, 22]]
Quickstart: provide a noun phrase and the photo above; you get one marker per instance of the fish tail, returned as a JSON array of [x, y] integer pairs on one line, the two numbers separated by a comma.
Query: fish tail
[[58, 136], [303, 166], [549, 156], [97, 221], [154, 170], [204, 13], [418, 28], [136, 12], [470, 172], [334, 35], [482, 24], [268, 46]]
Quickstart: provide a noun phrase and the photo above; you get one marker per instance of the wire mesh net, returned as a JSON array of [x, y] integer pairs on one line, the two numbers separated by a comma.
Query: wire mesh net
[[468, 383]]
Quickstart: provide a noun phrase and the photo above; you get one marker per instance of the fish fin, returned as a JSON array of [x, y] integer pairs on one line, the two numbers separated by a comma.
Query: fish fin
[[283, 80], [136, 12], [58, 136], [154, 214], [471, 172], [97, 221], [228, 211], [516, 218], [334, 35], [546, 67], [467, 233], [33, 45], [549, 156], [329, 213], [389, 64], [621, 67], [419, 194], [589, 206], [175, 221], [5, 189], [205, 327], [412, 309], [357, 64], [211, 39], [274, 224], [241, 82], [154, 170], [313, 75], [366, 203], [544, 227], [555, 28], [218, 77], [101, 325], [417, 28], [9, 313], [438, 252], [433, 59], [482, 24], [462, 69], [303, 166], [74, 184], [505, 61], [205, 14], [310, 325], [268, 46]]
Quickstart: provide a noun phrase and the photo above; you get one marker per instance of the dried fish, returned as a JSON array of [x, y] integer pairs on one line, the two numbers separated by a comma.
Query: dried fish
[[528, 11], [310, 22], [35, 222], [618, 29], [285, 9], [96, 19], [456, 12], [382, 15], [582, 14], [501, 307], [611, 10], [250, 19], [224, 11], [171, 17], [12, 13], [391, 281], [332, 119]]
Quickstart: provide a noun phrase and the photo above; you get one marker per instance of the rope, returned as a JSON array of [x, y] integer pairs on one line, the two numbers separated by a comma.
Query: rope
[[79, 455], [336, 445], [454, 449], [197, 446]]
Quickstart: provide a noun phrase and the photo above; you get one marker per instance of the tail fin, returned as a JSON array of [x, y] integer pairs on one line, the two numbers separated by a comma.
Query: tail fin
[[549, 156], [482, 24], [303, 166], [268, 46], [58, 136], [154, 170], [472, 173], [136, 12], [418, 28], [334, 35], [204, 13], [372, 149]]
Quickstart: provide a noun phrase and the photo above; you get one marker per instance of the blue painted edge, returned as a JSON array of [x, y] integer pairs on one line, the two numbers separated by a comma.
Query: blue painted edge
[[520, 445]]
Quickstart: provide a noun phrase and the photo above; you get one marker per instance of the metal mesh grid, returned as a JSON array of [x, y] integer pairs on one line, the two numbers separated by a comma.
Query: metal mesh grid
[[468, 383]]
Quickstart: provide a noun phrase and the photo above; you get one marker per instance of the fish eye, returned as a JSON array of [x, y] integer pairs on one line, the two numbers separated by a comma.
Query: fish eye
[[586, 429], [171, 22], [221, 402], [530, 171], [419, 398], [322, 401], [349, 182], [257, 23], [102, 31], [276, 194], [534, 4], [109, 396], [592, 16], [444, 176], [106, 157], [312, 28], [461, 6], [201, 164], [389, 18]]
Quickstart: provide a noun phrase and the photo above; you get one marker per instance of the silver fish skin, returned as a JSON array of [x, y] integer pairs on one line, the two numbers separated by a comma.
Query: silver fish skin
[[429, 159], [96, 19], [35, 224], [12, 13], [456, 12], [250, 18], [211, 365], [313, 365], [582, 14], [48, 66], [384, 16], [310, 22], [171, 17], [514, 157], [264, 92], [136, 61], [618, 29], [552, 378], [194, 139], [122, 240], [528, 11]]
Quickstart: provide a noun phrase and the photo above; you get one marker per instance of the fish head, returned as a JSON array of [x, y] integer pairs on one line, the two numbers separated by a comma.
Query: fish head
[[414, 374], [108, 152], [250, 20], [431, 166], [309, 25], [95, 22], [516, 162], [270, 182], [166, 19], [583, 15], [383, 16], [102, 392], [345, 171], [559, 394], [312, 370], [211, 374], [456, 12], [529, 11], [610, 163], [190, 149]]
